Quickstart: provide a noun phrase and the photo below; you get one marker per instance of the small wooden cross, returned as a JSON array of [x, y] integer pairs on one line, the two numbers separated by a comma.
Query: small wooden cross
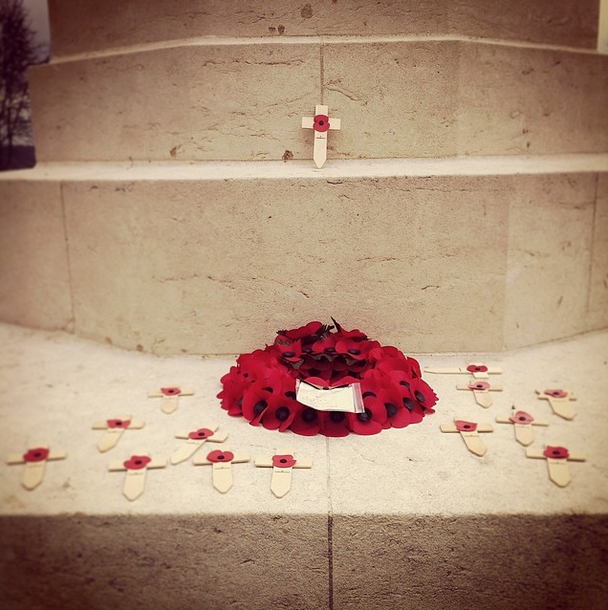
[[522, 422], [481, 390], [195, 439], [169, 397], [282, 464], [136, 466], [35, 460], [221, 461], [557, 461], [469, 432], [320, 123], [478, 370], [560, 401], [115, 428]]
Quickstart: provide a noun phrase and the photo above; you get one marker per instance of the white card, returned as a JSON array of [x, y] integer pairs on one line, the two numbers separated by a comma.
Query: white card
[[347, 399]]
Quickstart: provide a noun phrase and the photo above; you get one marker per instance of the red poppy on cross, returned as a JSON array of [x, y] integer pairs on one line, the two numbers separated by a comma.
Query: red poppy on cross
[[320, 123]]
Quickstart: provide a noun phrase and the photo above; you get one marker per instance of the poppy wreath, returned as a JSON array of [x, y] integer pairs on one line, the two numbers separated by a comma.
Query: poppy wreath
[[262, 385]]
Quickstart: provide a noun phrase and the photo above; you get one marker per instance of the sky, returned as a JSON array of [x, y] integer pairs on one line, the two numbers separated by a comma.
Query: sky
[[39, 20]]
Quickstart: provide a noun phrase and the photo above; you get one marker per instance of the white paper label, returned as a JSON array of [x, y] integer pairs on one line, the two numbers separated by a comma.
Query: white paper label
[[347, 399]]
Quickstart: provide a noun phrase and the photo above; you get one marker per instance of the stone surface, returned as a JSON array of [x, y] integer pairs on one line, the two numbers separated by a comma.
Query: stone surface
[[598, 295], [404, 519], [395, 99], [203, 102], [33, 256], [80, 26], [550, 241], [209, 267]]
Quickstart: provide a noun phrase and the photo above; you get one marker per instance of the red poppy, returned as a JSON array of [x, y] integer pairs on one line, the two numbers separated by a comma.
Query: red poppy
[[137, 462], [355, 334], [333, 424], [235, 385], [397, 415], [255, 402], [423, 394], [355, 350], [558, 453], [477, 368], [201, 434], [36, 455], [321, 122], [465, 426], [280, 413], [220, 456], [326, 346], [289, 350], [118, 423], [558, 393], [171, 391], [371, 421], [521, 417], [306, 422], [283, 461], [479, 386], [312, 328]]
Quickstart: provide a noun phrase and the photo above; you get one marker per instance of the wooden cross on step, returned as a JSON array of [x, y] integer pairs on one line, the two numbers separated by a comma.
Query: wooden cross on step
[[136, 466], [320, 123], [35, 460], [282, 464], [557, 461], [221, 461], [115, 428], [481, 390], [170, 397], [469, 432], [560, 401], [479, 371], [194, 441], [522, 422]]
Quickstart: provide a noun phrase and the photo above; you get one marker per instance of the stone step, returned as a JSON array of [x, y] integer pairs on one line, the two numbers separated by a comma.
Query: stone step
[[191, 259], [405, 519], [86, 25], [395, 98]]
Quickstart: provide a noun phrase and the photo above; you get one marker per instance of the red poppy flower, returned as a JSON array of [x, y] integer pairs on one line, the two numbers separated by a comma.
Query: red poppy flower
[[423, 394], [559, 453], [558, 393], [321, 122], [36, 455], [312, 328], [477, 368], [521, 417], [200, 434], [326, 346], [333, 424], [306, 422], [397, 416], [371, 421], [255, 402], [220, 456], [171, 391], [235, 384], [280, 413], [465, 426], [289, 350], [355, 350], [137, 462], [118, 423], [283, 461], [355, 334], [479, 386]]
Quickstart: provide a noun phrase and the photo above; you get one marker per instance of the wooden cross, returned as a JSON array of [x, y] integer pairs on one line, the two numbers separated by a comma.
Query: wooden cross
[[115, 428], [469, 432], [522, 422], [282, 464], [170, 396], [557, 461], [35, 460], [222, 461], [478, 370], [195, 439], [560, 401], [136, 466], [320, 123], [481, 390]]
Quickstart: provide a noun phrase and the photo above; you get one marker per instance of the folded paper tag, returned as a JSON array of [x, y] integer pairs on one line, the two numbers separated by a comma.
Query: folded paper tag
[[346, 398]]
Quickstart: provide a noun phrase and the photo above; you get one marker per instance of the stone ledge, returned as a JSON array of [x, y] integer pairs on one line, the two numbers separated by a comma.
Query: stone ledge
[[415, 520]]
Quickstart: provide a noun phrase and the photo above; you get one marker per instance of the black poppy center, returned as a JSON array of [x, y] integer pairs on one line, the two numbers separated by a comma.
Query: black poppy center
[[365, 416], [282, 413], [268, 389], [408, 403], [330, 350], [309, 415], [37, 454], [405, 383], [521, 418], [138, 462], [391, 409], [283, 461], [289, 354], [336, 416], [366, 394], [419, 396], [290, 394], [259, 407], [467, 426], [221, 457], [354, 352]]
